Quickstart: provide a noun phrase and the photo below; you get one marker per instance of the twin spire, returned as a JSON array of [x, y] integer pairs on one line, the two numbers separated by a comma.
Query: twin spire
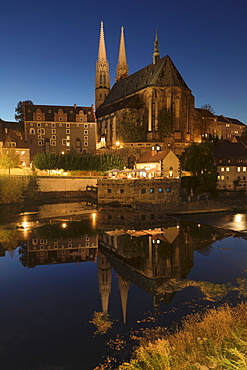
[[102, 79]]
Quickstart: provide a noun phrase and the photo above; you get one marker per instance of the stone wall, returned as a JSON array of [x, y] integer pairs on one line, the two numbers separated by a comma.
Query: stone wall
[[65, 184], [132, 192]]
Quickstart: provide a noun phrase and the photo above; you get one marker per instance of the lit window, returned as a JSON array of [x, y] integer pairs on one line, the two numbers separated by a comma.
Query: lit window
[[160, 190], [222, 177], [151, 191], [227, 169], [222, 169], [64, 141], [239, 169], [244, 169]]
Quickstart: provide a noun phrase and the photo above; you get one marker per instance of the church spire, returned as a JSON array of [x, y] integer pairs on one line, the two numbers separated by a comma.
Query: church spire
[[102, 78], [156, 54], [122, 70]]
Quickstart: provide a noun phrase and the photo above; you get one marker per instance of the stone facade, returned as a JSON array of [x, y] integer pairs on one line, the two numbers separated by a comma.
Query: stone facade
[[138, 192]]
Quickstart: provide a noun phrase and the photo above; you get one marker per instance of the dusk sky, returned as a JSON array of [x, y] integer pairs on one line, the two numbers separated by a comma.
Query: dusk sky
[[49, 48]]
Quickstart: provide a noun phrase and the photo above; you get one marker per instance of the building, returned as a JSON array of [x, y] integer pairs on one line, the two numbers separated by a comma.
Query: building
[[159, 162], [231, 162], [10, 139], [60, 129], [157, 96]]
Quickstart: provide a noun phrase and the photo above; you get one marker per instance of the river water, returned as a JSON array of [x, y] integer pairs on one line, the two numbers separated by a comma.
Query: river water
[[79, 285]]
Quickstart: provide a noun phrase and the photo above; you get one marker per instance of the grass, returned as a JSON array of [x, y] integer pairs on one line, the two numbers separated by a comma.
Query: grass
[[215, 340]]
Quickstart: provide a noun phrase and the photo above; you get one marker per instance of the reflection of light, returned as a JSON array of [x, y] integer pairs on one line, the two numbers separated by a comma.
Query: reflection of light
[[238, 217], [94, 217], [64, 225]]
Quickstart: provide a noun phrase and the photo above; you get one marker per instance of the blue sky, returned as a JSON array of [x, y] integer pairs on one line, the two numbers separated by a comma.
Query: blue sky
[[49, 48]]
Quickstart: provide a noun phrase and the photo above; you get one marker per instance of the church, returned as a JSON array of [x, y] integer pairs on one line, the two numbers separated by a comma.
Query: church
[[154, 101]]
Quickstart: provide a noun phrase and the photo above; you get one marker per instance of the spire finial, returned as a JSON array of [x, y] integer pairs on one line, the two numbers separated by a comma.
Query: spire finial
[[156, 54], [122, 70]]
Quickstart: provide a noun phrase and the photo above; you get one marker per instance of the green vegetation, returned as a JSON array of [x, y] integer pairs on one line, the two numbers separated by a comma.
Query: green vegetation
[[199, 160], [20, 109], [215, 340], [77, 162], [165, 125], [131, 128], [15, 189], [9, 159], [102, 322]]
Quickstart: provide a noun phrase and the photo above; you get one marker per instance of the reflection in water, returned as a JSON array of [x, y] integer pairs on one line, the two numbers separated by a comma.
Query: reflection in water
[[150, 258]]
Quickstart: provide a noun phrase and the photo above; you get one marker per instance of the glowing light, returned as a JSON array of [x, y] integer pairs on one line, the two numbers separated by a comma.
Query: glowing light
[[238, 217], [199, 225], [94, 218], [64, 225]]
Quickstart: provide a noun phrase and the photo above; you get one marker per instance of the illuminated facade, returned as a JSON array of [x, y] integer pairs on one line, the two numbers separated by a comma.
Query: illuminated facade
[[60, 129]]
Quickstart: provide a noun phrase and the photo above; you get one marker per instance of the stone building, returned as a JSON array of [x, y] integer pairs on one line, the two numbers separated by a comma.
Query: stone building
[[59, 129], [156, 96]]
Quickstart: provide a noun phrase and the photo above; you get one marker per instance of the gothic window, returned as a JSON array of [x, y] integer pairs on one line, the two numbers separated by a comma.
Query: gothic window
[[32, 131]]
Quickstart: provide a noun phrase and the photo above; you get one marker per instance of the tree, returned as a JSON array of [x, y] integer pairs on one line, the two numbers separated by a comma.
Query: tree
[[165, 125], [199, 160], [20, 109], [208, 107], [9, 159], [131, 128]]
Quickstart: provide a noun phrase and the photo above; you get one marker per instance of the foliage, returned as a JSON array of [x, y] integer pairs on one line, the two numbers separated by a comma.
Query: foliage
[[19, 110], [203, 121], [9, 238], [216, 340], [199, 160], [131, 128], [102, 322], [77, 162], [9, 159], [208, 107], [14, 189], [165, 125], [73, 229]]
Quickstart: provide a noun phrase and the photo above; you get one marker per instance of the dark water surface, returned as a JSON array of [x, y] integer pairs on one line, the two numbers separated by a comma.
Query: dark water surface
[[60, 265]]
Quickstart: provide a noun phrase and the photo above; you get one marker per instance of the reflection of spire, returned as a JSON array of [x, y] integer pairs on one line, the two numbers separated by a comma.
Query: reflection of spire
[[123, 285], [122, 67], [156, 54], [104, 279]]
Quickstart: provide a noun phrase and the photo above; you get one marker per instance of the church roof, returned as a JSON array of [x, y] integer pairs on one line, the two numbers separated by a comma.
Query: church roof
[[162, 74]]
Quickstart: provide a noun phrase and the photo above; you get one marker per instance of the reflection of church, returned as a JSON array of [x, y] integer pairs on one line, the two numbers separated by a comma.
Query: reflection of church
[[147, 258]]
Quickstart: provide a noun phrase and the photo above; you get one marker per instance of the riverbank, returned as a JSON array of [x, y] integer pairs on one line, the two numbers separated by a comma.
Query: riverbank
[[217, 340]]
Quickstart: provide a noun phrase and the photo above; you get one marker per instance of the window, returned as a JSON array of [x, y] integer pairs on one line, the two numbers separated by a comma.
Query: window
[[143, 191], [85, 126], [227, 169], [168, 190], [151, 190], [152, 216], [53, 143], [38, 124], [85, 137], [222, 177], [64, 142], [238, 169], [53, 125], [109, 217], [121, 191], [244, 169], [109, 191], [85, 132], [143, 217], [222, 169], [121, 217], [53, 137], [32, 131], [228, 161], [86, 143], [53, 131], [40, 142], [67, 131], [160, 190], [67, 125]]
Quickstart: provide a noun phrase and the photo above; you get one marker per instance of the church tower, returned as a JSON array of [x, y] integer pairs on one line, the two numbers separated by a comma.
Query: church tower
[[156, 54], [102, 79], [122, 70]]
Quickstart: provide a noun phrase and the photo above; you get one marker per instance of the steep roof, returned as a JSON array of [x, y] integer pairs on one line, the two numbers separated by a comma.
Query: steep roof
[[149, 157], [163, 73], [229, 150]]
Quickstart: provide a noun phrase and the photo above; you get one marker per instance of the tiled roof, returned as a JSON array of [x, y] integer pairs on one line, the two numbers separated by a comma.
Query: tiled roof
[[163, 73], [229, 150], [149, 157]]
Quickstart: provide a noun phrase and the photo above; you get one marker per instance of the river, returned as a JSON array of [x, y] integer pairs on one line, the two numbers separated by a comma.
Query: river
[[79, 285]]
